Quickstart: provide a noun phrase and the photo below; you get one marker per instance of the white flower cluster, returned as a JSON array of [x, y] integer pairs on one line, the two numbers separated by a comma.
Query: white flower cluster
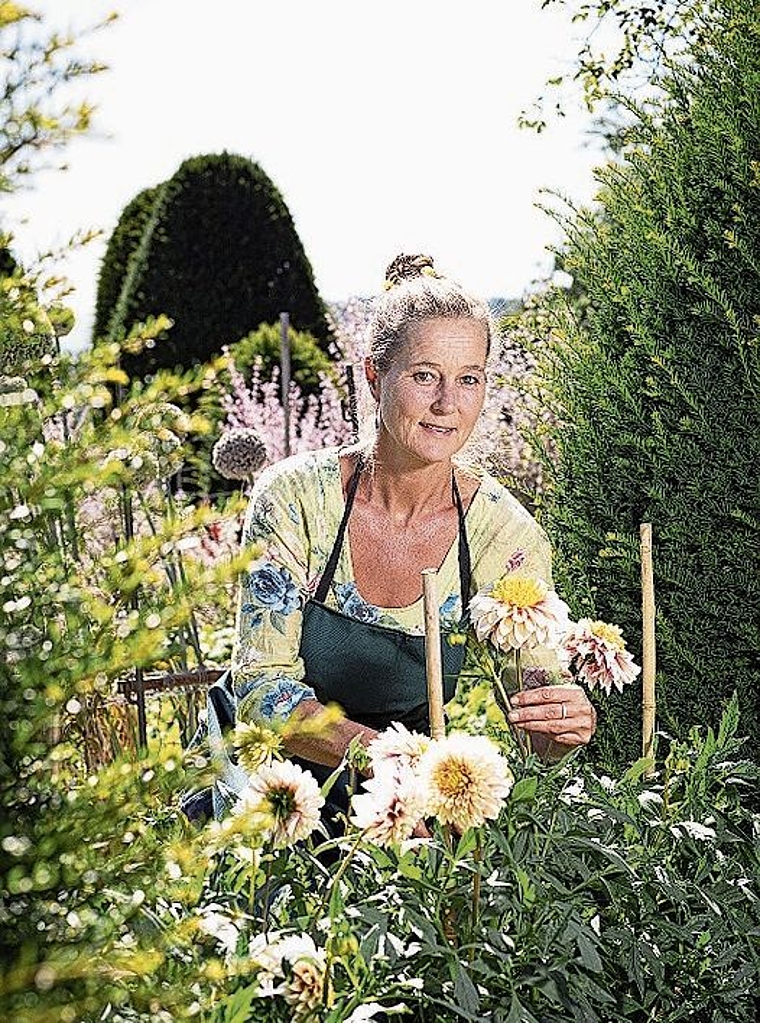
[[461, 779]]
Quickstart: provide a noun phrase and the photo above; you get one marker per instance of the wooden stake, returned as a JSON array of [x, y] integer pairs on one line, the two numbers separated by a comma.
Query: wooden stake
[[433, 665], [648, 655], [285, 377]]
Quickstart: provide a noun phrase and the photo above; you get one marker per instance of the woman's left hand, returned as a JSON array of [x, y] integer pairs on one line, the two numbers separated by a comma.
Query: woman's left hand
[[563, 714]]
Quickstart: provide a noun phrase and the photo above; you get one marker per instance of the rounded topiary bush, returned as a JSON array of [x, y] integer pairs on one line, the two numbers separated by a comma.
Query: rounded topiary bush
[[215, 249]]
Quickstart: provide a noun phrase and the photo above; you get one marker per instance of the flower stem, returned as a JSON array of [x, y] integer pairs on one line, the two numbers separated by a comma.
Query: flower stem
[[252, 882], [478, 858], [516, 733], [519, 674], [327, 899]]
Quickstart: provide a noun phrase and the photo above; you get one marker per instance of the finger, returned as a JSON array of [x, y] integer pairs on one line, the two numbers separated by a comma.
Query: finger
[[573, 729], [548, 694], [558, 712]]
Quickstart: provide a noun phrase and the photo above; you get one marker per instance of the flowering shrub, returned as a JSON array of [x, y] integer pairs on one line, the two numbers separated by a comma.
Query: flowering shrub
[[316, 421], [572, 896]]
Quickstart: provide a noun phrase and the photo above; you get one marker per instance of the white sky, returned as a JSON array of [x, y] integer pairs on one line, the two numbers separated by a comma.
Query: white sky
[[387, 126]]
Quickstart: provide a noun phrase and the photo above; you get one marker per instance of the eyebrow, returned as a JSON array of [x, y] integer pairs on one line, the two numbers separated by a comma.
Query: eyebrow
[[437, 365]]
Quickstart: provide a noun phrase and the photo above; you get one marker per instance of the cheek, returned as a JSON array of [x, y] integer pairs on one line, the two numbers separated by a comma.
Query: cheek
[[405, 398], [473, 402]]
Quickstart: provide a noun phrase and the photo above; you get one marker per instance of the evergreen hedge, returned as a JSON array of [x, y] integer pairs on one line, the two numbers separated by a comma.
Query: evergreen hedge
[[224, 258], [657, 386]]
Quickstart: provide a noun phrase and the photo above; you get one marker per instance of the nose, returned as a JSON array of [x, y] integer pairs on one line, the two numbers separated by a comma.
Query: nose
[[444, 401]]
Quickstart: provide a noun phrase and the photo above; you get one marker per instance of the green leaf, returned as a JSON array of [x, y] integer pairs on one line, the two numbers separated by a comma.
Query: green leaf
[[638, 769], [518, 1013], [589, 955], [524, 791], [465, 992], [729, 721]]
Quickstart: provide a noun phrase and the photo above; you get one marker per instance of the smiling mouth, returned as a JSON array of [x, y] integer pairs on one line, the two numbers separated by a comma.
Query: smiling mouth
[[443, 430]]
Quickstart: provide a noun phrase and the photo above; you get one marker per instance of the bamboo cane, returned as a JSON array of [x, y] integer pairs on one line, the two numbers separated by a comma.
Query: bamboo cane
[[433, 665], [285, 377], [648, 655]]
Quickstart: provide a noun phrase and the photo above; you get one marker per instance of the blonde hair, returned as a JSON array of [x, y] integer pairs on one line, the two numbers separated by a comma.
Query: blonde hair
[[415, 291]]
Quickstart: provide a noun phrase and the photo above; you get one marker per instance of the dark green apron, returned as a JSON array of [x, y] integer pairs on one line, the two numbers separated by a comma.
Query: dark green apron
[[375, 673]]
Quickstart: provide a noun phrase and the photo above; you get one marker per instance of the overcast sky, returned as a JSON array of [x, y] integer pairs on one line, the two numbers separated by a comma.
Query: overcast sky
[[387, 126]]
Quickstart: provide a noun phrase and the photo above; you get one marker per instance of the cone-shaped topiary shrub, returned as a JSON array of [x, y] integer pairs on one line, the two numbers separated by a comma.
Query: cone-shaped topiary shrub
[[222, 258], [656, 383]]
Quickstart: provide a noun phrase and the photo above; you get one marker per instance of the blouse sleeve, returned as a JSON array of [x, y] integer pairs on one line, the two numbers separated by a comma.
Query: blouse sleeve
[[267, 670], [512, 540]]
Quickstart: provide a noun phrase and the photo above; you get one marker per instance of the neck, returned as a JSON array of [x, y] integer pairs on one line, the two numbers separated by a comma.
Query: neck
[[405, 488]]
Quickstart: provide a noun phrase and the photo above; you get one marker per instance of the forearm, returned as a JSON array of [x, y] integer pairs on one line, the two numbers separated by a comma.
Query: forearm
[[328, 745]]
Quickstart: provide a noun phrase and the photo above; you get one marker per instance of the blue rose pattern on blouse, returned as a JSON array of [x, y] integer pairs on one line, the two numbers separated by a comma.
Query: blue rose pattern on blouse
[[449, 612], [272, 588], [280, 699], [350, 602]]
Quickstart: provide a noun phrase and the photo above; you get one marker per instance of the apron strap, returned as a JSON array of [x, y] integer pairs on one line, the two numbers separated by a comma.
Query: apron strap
[[465, 568], [332, 562]]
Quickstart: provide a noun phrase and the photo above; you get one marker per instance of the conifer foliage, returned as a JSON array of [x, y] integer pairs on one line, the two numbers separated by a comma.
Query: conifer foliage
[[224, 257], [656, 381]]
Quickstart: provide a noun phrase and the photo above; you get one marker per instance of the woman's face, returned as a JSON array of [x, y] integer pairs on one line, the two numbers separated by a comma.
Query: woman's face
[[432, 393]]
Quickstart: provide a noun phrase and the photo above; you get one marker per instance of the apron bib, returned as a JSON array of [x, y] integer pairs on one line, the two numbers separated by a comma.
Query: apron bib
[[374, 672]]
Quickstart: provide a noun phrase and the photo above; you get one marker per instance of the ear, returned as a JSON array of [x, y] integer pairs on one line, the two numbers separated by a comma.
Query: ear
[[372, 377]]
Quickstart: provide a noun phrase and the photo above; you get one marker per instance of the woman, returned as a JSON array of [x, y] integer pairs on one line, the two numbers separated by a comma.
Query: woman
[[332, 610]]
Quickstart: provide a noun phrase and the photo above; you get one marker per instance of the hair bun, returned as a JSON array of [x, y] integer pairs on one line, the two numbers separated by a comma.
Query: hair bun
[[406, 268]]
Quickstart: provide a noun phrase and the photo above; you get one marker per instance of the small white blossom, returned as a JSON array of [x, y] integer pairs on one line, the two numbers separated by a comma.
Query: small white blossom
[[220, 926], [694, 830]]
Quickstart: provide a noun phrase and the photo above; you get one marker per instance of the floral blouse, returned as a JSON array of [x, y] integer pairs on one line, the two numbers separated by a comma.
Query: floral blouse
[[293, 518]]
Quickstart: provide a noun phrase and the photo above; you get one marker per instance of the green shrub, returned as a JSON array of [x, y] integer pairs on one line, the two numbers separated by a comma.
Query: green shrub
[[655, 385], [86, 846], [307, 360]]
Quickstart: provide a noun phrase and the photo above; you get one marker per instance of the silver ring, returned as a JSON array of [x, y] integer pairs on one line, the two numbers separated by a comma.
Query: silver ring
[[564, 712]]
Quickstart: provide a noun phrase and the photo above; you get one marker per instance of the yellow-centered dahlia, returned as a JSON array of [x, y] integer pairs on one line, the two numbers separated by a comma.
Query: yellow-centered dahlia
[[467, 780], [519, 611], [595, 654]]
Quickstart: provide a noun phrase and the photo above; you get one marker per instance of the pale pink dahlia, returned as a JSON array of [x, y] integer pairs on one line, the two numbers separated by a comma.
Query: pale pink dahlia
[[467, 780], [392, 804], [288, 800], [397, 747], [596, 655], [296, 963], [519, 611]]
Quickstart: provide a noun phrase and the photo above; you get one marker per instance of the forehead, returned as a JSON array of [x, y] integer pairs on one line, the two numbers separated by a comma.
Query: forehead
[[439, 339]]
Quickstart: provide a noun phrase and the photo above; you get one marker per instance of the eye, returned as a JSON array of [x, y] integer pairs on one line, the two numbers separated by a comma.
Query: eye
[[470, 380], [423, 376]]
